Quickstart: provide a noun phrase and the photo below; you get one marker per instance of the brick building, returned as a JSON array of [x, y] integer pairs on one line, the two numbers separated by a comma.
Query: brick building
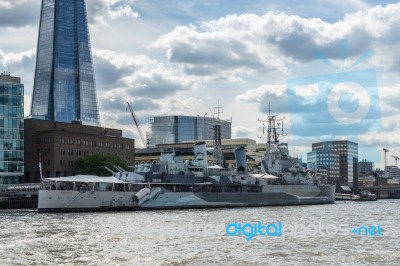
[[61, 145]]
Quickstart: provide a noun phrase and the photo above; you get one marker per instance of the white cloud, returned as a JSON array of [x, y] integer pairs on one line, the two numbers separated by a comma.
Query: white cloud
[[242, 132], [247, 44], [103, 12], [19, 13], [142, 76], [9, 59], [8, 4], [275, 95]]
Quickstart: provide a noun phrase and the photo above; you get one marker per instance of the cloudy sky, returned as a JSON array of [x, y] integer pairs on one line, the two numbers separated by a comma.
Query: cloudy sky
[[331, 68]]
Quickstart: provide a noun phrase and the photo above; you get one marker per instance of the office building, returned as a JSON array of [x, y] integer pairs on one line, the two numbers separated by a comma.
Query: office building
[[392, 171], [365, 167], [11, 129], [64, 86], [328, 160], [339, 158], [58, 146], [177, 129]]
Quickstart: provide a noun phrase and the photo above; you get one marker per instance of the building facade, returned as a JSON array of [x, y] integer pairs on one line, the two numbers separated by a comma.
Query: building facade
[[392, 171], [328, 160], [64, 86], [365, 167], [177, 129], [58, 146], [11, 129], [339, 158], [249, 144]]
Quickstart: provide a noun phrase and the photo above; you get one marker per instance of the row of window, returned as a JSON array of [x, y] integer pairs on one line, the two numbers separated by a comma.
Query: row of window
[[12, 156], [11, 144], [12, 89], [11, 167], [72, 152], [70, 163], [71, 141], [11, 134], [9, 122], [11, 111]]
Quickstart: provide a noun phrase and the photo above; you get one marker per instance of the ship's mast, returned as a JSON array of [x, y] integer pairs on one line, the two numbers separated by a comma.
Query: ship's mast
[[274, 124], [217, 136], [218, 145]]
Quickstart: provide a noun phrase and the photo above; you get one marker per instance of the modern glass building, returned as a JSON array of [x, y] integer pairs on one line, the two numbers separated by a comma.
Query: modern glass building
[[325, 159], [177, 129], [340, 158], [11, 129], [64, 86]]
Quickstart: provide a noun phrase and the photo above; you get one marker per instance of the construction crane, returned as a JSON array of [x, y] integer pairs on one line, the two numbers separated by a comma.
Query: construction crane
[[385, 151], [396, 158], [137, 125]]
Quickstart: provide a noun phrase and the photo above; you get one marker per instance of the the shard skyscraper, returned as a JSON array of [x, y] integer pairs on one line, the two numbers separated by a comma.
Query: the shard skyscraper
[[64, 87]]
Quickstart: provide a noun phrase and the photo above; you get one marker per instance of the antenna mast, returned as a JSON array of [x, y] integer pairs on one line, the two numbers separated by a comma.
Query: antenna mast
[[218, 110], [274, 124]]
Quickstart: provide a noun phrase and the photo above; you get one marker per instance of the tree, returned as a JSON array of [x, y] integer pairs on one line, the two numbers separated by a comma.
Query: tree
[[95, 164]]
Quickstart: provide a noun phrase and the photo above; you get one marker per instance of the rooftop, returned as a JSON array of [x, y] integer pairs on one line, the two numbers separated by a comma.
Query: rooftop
[[6, 77]]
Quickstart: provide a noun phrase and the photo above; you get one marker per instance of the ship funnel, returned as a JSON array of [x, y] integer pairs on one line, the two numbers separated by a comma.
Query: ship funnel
[[241, 163], [200, 154]]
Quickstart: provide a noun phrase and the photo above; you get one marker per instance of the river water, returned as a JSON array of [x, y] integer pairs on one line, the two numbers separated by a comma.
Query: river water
[[308, 235]]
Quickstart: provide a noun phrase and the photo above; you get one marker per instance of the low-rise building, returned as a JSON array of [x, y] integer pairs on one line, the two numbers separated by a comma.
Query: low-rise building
[[58, 146]]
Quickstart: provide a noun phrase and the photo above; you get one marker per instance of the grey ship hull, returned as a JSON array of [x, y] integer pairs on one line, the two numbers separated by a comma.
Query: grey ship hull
[[275, 195], [160, 198]]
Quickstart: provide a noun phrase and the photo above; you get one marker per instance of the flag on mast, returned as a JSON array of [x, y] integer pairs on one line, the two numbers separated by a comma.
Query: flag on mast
[[40, 168]]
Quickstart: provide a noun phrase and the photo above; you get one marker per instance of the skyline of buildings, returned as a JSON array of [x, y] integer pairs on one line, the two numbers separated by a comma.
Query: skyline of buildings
[[11, 128], [66, 64], [64, 86], [130, 63]]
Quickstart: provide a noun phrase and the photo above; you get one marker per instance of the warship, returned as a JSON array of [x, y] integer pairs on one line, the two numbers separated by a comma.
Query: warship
[[175, 183]]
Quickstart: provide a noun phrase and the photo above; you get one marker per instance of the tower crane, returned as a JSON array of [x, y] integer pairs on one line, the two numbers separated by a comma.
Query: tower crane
[[385, 151], [137, 124], [396, 158]]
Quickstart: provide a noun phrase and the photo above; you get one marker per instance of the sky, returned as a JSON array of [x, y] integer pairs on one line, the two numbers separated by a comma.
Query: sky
[[329, 68]]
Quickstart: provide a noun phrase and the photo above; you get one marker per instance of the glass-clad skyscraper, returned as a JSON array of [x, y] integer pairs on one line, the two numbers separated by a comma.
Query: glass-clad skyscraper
[[179, 128], [11, 129], [64, 87]]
